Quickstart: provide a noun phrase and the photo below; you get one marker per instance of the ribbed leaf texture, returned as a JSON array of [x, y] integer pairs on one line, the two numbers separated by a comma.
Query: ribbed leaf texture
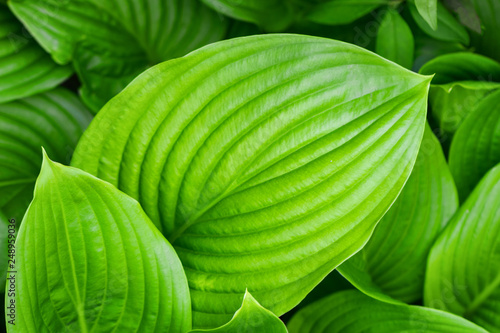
[[352, 312], [111, 42], [266, 160], [463, 273], [25, 68], [393, 261], [89, 259]]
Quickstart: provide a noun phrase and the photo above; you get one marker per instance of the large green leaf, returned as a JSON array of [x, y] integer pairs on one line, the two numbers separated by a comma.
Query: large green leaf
[[55, 120], [25, 68], [462, 66], [475, 149], [392, 263], [395, 39], [487, 43], [251, 317], [452, 102], [110, 42], [265, 160], [428, 10], [352, 312], [336, 12], [448, 28], [89, 259], [463, 272]]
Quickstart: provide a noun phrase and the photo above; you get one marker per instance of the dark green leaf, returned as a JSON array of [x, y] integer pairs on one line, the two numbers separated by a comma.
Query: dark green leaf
[[463, 273], [89, 259], [265, 160], [337, 12], [487, 43], [427, 49]]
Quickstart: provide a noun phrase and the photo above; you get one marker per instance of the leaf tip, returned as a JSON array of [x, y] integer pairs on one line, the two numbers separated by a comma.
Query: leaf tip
[[48, 166]]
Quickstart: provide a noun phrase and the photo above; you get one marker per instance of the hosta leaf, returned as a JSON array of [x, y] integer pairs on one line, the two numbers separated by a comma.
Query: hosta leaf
[[451, 103], [393, 261], [55, 120], [352, 312], [251, 317], [428, 10], [427, 49], [336, 12], [395, 40], [475, 147], [487, 42], [110, 42], [265, 160], [448, 28], [462, 66], [463, 272], [25, 68], [89, 259]]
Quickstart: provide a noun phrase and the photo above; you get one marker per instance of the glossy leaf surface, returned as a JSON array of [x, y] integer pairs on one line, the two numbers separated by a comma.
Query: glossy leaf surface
[[266, 160], [463, 273], [393, 261], [351, 311], [89, 259]]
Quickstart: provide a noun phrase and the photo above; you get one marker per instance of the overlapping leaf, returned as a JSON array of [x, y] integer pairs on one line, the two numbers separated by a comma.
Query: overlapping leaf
[[475, 147], [487, 42], [428, 10], [25, 68], [110, 42], [55, 120], [463, 273], [392, 263], [336, 12], [89, 259], [352, 312], [266, 160]]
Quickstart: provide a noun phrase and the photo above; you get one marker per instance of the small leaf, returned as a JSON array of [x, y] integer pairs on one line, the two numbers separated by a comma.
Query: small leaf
[[393, 261], [251, 317], [448, 28], [428, 10], [55, 120], [352, 312], [337, 12], [463, 272], [110, 42], [89, 259], [265, 160], [462, 66], [475, 149], [395, 39], [25, 68]]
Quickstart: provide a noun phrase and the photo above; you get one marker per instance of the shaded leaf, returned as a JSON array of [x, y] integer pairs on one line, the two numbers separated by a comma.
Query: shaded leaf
[[88, 258], [338, 12], [463, 273], [487, 42]]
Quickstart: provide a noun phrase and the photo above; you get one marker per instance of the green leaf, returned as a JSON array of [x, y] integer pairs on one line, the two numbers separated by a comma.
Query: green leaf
[[111, 42], [337, 12], [462, 66], [55, 120], [474, 148], [89, 259], [25, 68], [452, 102], [395, 40], [251, 317], [448, 28], [463, 272], [487, 42], [352, 312], [4, 239], [427, 49], [428, 10], [392, 264], [265, 160]]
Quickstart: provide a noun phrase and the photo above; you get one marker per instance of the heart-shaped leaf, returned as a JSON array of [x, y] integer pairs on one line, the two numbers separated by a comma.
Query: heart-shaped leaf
[[463, 272], [448, 28], [89, 259], [265, 160], [251, 317], [462, 66], [428, 10], [352, 312], [110, 42], [393, 261], [474, 148], [25, 68], [395, 40], [55, 120]]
